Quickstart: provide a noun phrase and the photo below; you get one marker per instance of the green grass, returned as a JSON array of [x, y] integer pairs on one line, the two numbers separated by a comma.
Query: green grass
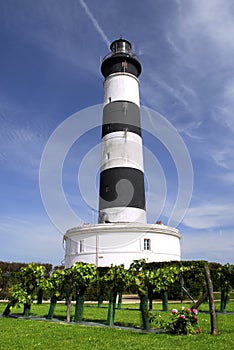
[[30, 334]]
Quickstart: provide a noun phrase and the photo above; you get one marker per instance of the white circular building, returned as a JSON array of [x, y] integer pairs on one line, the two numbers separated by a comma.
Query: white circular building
[[121, 243], [122, 234]]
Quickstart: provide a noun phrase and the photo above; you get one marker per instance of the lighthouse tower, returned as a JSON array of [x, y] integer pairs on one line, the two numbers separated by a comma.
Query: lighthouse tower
[[122, 192], [122, 233]]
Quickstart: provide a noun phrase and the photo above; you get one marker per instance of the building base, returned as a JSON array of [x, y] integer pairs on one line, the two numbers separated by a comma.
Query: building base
[[121, 243]]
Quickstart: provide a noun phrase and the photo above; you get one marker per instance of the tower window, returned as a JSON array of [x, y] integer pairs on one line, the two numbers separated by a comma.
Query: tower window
[[107, 188], [147, 244], [124, 65], [81, 246], [125, 108]]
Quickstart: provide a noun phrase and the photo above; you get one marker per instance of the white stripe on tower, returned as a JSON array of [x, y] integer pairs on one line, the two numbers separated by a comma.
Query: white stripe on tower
[[122, 191]]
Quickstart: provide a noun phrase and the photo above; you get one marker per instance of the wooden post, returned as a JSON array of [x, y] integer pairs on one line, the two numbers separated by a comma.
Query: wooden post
[[53, 303], [111, 308], [69, 305], [181, 290], [145, 311], [164, 300], [224, 300], [80, 298], [150, 297], [27, 308], [120, 300], [200, 301], [69, 299], [214, 329], [7, 310], [40, 296], [101, 297], [188, 294]]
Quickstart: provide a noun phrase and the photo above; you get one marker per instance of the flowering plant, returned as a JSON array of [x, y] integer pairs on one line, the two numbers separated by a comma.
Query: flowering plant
[[181, 322], [184, 322]]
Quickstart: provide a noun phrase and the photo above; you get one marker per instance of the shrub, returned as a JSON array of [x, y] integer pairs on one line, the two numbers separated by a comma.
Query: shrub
[[179, 322]]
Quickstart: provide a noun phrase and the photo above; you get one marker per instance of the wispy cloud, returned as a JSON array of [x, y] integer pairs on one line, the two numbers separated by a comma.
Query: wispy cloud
[[223, 157], [227, 177], [212, 245], [21, 142], [206, 216], [95, 23], [56, 28], [223, 109], [200, 49], [212, 20], [154, 78]]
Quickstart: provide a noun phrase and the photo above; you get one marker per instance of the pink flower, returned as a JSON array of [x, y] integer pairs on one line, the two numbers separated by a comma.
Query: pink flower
[[182, 316], [195, 311], [188, 310], [174, 311], [199, 330]]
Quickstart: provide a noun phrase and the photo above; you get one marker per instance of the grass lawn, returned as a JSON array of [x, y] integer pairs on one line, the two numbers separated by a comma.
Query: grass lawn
[[29, 334]]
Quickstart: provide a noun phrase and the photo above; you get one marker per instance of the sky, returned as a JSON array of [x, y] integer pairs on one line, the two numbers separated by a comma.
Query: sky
[[51, 96]]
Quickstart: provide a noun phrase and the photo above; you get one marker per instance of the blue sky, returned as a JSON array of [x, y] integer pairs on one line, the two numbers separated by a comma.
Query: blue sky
[[50, 69]]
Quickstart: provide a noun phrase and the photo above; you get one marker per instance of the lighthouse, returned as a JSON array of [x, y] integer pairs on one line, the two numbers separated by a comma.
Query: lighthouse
[[122, 191], [122, 233]]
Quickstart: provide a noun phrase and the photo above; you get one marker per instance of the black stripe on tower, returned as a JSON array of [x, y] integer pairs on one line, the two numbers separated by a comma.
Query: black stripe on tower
[[121, 63], [129, 182], [121, 116], [121, 59]]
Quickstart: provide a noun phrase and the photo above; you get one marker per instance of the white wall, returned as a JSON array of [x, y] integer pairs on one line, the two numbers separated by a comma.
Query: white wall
[[124, 214], [122, 149], [121, 87], [107, 244]]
